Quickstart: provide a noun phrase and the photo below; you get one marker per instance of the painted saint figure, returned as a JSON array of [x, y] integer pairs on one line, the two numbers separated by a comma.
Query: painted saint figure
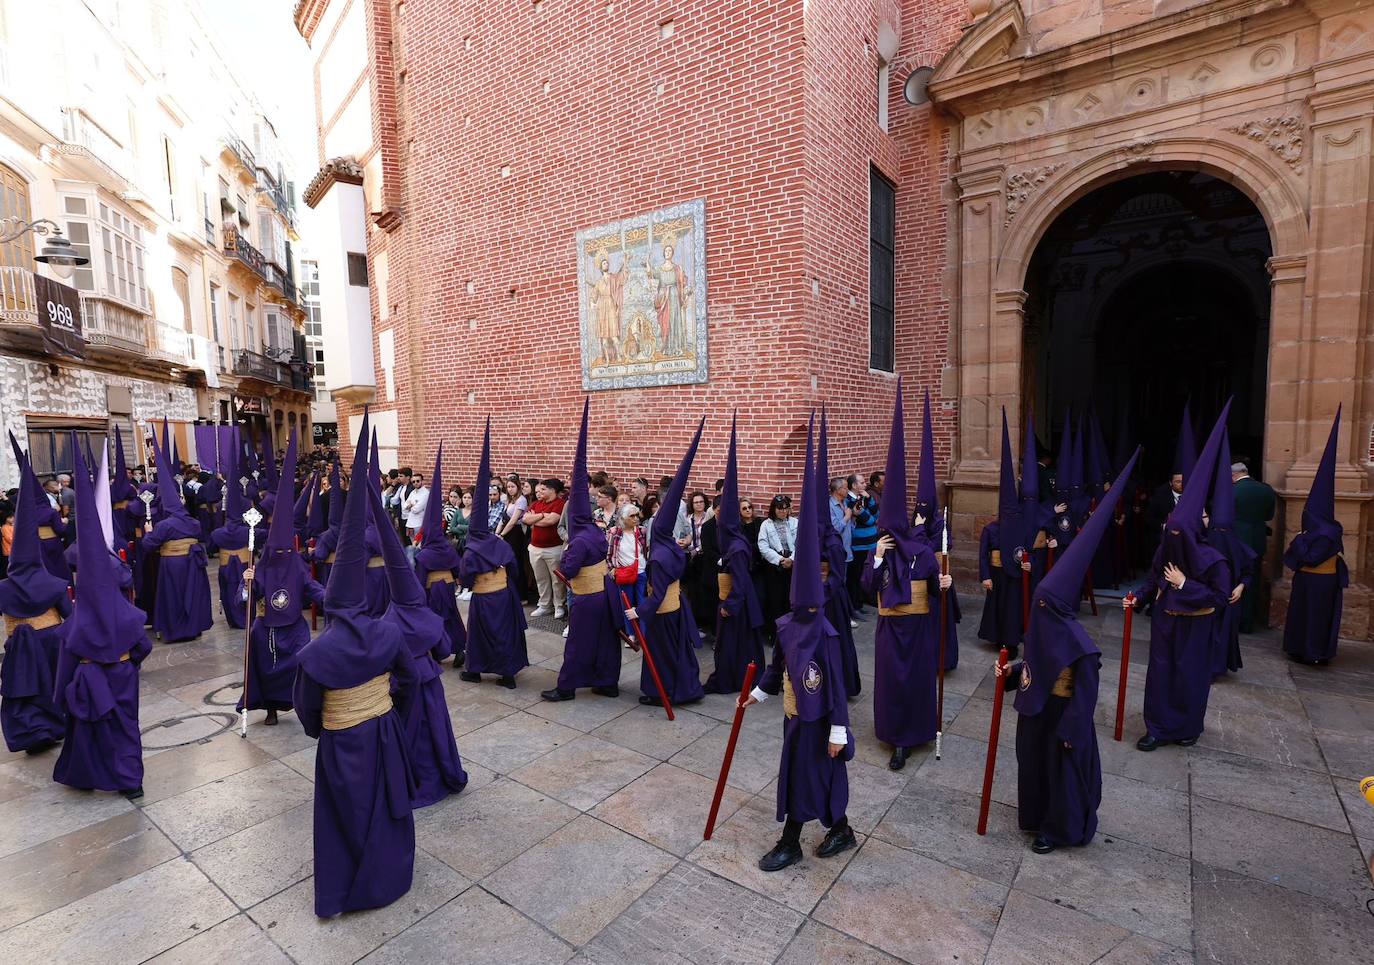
[[672, 293], [608, 298]]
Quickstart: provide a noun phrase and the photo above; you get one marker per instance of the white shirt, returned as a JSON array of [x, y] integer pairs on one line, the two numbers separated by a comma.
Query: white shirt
[[414, 508], [625, 551], [838, 734]]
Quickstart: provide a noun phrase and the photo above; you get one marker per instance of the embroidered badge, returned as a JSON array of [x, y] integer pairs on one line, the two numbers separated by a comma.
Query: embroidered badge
[[1020, 554], [280, 600], [1025, 676], [1064, 524], [812, 679]]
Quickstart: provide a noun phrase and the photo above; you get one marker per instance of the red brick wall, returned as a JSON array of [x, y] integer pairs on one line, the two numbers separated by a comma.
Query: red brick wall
[[771, 118]]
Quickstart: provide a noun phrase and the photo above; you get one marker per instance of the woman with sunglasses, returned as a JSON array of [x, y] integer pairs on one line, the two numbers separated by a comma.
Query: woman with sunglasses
[[777, 544]]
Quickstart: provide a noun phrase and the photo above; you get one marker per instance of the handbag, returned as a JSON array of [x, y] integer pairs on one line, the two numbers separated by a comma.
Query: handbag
[[628, 575]]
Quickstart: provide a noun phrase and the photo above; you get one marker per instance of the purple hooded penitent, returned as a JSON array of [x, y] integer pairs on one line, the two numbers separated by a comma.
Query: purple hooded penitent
[[1320, 575], [1239, 557], [96, 683], [839, 608], [1011, 526], [315, 520], [182, 607], [894, 517], [1185, 539], [1185, 450], [437, 564], [364, 832], [52, 528], [328, 538], [300, 514]]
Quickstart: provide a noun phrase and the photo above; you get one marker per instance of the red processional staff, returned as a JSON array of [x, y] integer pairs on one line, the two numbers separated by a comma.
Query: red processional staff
[[648, 659], [990, 768], [729, 749], [1128, 605]]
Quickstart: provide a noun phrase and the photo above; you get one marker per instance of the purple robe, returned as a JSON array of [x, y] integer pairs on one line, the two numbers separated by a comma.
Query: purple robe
[[739, 636], [672, 636], [275, 642], [364, 830], [53, 548], [930, 534], [29, 716], [103, 749], [1002, 607], [496, 632], [1243, 563], [906, 651], [591, 656], [325, 545], [182, 608], [441, 597], [1315, 601], [435, 767], [1178, 680]]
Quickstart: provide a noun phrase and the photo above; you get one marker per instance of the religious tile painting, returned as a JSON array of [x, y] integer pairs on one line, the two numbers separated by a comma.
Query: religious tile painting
[[641, 286]]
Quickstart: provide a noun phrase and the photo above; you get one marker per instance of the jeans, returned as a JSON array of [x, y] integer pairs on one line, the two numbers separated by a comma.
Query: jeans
[[544, 560]]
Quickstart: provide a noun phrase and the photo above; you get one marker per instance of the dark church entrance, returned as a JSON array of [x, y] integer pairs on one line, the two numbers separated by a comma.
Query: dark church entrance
[[1147, 293]]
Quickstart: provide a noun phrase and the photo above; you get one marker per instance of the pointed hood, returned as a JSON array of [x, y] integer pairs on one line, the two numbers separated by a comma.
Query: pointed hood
[[1319, 512], [1054, 637], [374, 465], [1063, 461], [281, 532], [122, 488], [666, 517], [300, 512], [485, 551], [1185, 452], [105, 624], [176, 457], [406, 591], [167, 492], [831, 542], [345, 596], [808, 594], [1030, 484], [270, 477], [729, 529], [103, 507], [166, 441], [927, 492], [280, 573], [586, 542], [893, 515], [1010, 538], [336, 497], [21, 459], [29, 589], [1223, 490], [233, 535], [1184, 540], [436, 552]]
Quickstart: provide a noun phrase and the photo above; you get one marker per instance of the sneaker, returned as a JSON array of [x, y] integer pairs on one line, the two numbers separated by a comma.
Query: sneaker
[[559, 613], [837, 840], [540, 611], [565, 632], [853, 624]]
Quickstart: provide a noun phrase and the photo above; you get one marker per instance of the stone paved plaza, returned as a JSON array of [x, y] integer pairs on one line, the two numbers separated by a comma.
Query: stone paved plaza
[[578, 836]]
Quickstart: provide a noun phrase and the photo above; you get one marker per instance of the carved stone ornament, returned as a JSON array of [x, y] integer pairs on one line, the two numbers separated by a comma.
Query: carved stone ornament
[[1022, 185], [1138, 151], [1282, 135]]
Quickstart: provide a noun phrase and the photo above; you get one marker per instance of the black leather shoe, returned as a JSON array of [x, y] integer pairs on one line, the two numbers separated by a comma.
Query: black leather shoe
[[508, 682], [1148, 743], [899, 755], [271, 720], [606, 691], [648, 701], [458, 660], [40, 747], [783, 855], [133, 795], [555, 694], [837, 840], [1041, 846], [472, 678], [1187, 743]]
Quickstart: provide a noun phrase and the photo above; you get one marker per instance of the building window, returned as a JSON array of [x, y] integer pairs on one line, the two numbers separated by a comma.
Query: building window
[[310, 277], [357, 269], [79, 233], [881, 272], [182, 286], [122, 249], [14, 203], [884, 82], [234, 321]]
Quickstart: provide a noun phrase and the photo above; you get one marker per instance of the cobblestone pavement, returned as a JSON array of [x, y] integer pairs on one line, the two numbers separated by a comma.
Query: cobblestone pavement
[[578, 836]]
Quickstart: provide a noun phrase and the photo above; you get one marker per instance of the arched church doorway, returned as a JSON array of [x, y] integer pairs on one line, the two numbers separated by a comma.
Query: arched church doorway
[[1145, 294]]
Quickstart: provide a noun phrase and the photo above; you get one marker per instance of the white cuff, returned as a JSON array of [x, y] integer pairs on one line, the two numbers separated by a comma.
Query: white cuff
[[877, 562], [838, 735], [758, 695]]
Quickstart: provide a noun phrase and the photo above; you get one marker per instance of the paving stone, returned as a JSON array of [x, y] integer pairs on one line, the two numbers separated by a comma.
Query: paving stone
[[23, 774], [1288, 792], [1033, 931], [225, 689], [479, 830], [962, 765], [941, 823], [259, 861], [584, 772], [200, 666], [1324, 864], [279, 741], [871, 792], [303, 762], [506, 744], [51, 874], [579, 878], [1139, 950], [647, 731], [817, 945], [128, 922], [668, 807], [528, 684], [468, 712], [737, 844], [913, 907], [586, 712], [1348, 675], [1343, 714], [1360, 813], [473, 929], [1169, 771], [1145, 814], [197, 817], [1346, 755], [1286, 742], [237, 940], [52, 811], [289, 917], [691, 915], [1241, 919], [1119, 882], [975, 718], [183, 768], [755, 763], [1239, 694]]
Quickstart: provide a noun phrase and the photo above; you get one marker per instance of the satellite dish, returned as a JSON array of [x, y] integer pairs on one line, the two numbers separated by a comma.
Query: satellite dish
[[914, 90]]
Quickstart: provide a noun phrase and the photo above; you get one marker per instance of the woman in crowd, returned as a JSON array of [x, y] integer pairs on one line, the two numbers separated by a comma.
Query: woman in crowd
[[777, 543], [457, 522], [700, 595], [515, 534]]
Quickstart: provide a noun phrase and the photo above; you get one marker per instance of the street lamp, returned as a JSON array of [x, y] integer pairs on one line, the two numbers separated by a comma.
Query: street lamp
[[59, 254]]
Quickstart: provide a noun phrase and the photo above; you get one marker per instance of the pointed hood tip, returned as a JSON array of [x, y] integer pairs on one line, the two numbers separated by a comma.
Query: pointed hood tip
[[1187, 513], [893, 515], [281, 532], [1064, 583], [1319, 509], [432, 526], [345, 592], [665, 521], [807, 591]]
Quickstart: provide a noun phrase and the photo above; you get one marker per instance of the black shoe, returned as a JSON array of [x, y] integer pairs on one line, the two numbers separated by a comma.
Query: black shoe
[[555, 694], [508, 681], [606, 691], [40, 747], [472, 678], [648, 701], [837, 840], [1041, 846], [271, 720], [133, 795], [1187, 743], [1148, 743], [783, 855], [899, 756], [458, 659]]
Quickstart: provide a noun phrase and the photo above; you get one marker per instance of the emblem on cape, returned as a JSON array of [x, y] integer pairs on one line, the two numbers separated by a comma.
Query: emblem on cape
[[280, 600], [1019, 554], [812, 678], [1064, 523], [1025, 676]]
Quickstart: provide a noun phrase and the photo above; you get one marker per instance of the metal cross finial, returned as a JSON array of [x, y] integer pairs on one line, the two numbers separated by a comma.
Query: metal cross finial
[[255, 475], [243, 481], [147, 500], [252, 518]]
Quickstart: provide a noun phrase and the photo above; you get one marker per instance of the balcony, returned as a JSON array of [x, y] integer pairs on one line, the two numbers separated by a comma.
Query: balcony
[[237, 245], [97, 155], [237, 151], [168, 343], [209, 231], [113, 328], [18, 303], [253, 365]]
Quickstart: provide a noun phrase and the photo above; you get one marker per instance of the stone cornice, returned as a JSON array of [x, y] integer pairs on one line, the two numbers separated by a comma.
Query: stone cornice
[[339, 170]]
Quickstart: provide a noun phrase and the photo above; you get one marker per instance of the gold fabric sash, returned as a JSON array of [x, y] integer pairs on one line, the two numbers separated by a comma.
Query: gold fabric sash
[[726, 583], [672, 599], [51, 618], [375, 562], [439, 576], [329, 559], [121, 504], [47, 532], [1063, 684], [240, 554], [996, 558], [920, 602], [1326, 567], [589, 580], [789, 697], [1204, 612], [123, 658], [177, 547], [492, 581], [357, 705]]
